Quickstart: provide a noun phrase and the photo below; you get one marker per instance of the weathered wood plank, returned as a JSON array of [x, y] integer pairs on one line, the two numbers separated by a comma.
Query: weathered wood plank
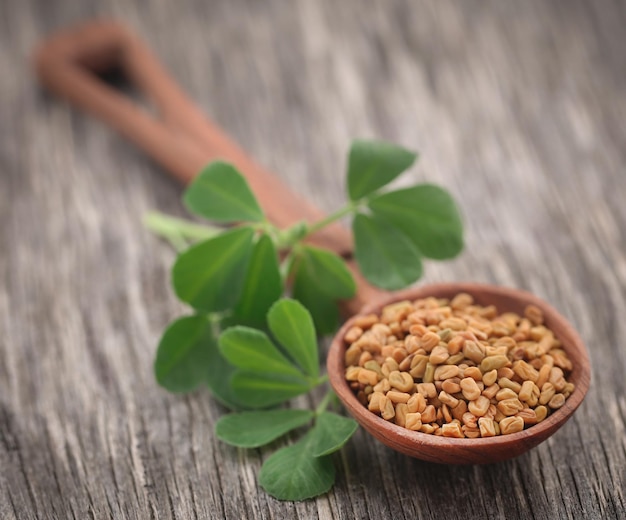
[[517, 107]]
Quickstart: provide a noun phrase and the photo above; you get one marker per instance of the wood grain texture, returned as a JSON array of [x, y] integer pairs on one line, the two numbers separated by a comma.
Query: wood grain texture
[[519, 108]]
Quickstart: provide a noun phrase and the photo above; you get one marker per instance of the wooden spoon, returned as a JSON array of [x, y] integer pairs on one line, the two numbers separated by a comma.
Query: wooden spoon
[[182, 140]]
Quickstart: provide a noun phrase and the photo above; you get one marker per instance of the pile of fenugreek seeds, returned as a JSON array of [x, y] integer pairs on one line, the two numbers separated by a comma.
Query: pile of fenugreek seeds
[[453, 368]]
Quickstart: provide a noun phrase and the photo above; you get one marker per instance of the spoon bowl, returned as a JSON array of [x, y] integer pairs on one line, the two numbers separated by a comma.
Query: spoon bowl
[[447, 450]]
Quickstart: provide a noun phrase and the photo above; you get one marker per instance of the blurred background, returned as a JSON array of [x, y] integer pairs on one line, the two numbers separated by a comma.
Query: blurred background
[[517, 108]]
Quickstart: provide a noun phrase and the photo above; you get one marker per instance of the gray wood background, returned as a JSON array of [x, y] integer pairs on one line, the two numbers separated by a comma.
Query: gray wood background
[[519, 108]]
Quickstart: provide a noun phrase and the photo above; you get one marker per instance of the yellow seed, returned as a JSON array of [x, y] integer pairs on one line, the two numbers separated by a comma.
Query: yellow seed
[[511, 425], [429, 373], [541, 412], [387, 410], [353, 334], [479, 406], [547, 393], [438, 355], [493, 362], [470, 389], [416, 403], [474, 373], [491, 391], [446, 398], [444, 372], [428, 390], [429, 414], [487, 427], [401, 411], [451, 386], [489, 378], [505, 382], [413, 421], [557, 401], [510, 406], [429, 341], [398, 397], [374, 401], [367, 377], [401, 381], [452, 430], [505, 393], [528, 415], [474, 351], [527, 390], [525, 371]]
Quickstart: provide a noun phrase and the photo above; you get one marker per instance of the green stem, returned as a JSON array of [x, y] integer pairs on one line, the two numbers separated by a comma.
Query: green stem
[[350, 208], [178, 232], [324, 402]]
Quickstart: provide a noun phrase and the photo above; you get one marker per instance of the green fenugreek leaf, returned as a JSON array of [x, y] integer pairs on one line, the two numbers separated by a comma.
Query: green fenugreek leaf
[[330, 433], [386, 256], [427, 214], [258, 428], [262, 390], [262, 287], [251, 350], [328, 271], [323, 308], [209, 276], [222, 194], [292, 326], [293, 473], [183, 354], [373, 164]]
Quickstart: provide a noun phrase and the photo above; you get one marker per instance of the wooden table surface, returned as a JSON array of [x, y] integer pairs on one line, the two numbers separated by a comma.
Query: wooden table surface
[[519, 108]]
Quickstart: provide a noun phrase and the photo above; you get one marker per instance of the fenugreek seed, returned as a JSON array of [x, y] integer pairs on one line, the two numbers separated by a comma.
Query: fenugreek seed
[[353, 334], [471, 433], [444, 372], [491, 411], [429, 414], [556, 378], [401, 381], [445, 334], [455, 345], [373, 365], [352, 373], [451, 386], [412, 344], [474, 373], [391, 363], [398, 397], [401, 411], [489, 378], [547, 393], [538, 332], [569, 387], [493, 362], [367, 377], [561, 360], [382, 386], [473, 351], [491, 391], [445, 412], [387, 410], [496, 351], [459, 410], [428, 390], [534, 314], [429, 373], [541, 412], [413, 421], [479, 406], [526, 392], [429, 341], [505, 372], [528, 415], [469, 419], [416, 403], [374, 402], [352, 355], [511, 425], [525, 371], [427, 428], [557, 401], [470, 389], [418, 371], [365, 357], [456, 359], [454, 324], [461, 301], [417, 329], [510, 406], [452, 430], [438, 355], [505, 382], [446, 398], [505, 393], [405, 364], [365, 322], [487, 427]]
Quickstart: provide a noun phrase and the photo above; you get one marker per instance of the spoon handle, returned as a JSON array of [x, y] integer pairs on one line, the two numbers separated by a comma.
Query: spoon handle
[[178, 136]]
